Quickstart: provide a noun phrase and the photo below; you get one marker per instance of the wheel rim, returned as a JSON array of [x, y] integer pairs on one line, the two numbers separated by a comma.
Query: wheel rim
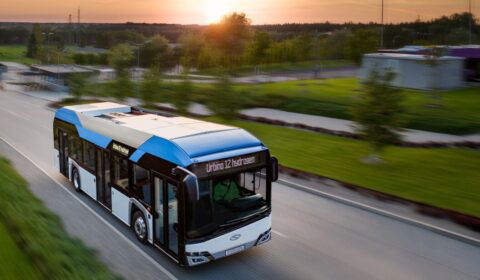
[[140, 228], [76, 182]]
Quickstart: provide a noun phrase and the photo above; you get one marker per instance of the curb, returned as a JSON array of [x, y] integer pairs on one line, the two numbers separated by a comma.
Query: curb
[[388, 214]]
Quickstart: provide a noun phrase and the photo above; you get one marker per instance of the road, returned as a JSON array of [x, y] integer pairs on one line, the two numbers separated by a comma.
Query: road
[[314, 238]]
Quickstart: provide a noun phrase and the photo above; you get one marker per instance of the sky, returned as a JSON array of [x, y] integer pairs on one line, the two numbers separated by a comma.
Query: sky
[[209, 11]]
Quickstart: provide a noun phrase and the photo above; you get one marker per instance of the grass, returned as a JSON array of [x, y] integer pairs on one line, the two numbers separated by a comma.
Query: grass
[[41, 236], [15, 53], [459, 113], [13, 263], [280, 67], [446, 178]]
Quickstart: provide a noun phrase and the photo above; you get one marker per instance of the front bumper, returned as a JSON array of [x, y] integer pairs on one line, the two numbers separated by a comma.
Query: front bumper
[[197, 258]]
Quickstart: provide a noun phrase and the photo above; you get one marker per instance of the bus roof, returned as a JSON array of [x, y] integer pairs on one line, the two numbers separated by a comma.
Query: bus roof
[[180, 140]]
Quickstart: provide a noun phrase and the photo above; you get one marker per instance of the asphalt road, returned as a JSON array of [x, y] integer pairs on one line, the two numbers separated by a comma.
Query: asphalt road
[[314, 238]]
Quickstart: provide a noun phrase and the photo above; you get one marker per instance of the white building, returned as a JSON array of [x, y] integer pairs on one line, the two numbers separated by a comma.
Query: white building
[[413, 71]]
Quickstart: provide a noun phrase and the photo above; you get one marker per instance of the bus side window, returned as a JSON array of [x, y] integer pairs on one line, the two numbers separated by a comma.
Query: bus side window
[[55, 138], [141, 183], [89, 155], [120, 172], [75, 148]]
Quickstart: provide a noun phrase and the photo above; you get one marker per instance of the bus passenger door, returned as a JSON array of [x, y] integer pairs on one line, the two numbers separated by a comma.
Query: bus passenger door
[[104, 192], [166, 215], [63, 152]]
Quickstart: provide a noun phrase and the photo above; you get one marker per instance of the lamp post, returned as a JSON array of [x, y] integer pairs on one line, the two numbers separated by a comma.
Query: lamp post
[[383, 27], [138, 45], [470, 22], [47, 35]]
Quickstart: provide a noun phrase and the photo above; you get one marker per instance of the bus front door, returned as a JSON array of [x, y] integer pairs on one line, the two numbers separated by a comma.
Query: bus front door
[[63, 152], [166, 215], [104, 188]]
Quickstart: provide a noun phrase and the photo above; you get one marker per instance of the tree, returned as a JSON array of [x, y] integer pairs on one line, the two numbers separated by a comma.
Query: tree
[[157, 53], [433, 60], [150, 86], [121, 87], [34, 41], [191, 45], [121, 58], [361, 42], [258, 47], [224, 101], [78, 85], [378, 113], [230, 37], [183, 96]]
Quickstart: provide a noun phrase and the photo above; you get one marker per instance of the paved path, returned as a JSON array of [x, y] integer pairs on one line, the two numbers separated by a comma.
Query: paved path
[[409, 135], [314, 238]]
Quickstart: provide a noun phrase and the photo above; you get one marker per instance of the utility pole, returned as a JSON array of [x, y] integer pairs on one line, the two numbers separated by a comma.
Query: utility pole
[[470, 22], [383, 27]]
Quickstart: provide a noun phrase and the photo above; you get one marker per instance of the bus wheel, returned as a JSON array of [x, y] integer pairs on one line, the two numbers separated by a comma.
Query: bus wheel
[[139, 226], [76, 180]]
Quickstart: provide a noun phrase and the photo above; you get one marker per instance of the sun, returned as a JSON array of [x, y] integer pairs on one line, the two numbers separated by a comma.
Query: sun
[[215, 10]]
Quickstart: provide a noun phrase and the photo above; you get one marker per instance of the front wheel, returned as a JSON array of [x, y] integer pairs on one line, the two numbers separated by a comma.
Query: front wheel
[[76, 180], [139, 226]]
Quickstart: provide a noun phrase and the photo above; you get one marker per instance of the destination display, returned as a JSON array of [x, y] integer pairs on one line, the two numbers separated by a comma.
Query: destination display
[[120, 149], [228, 165]]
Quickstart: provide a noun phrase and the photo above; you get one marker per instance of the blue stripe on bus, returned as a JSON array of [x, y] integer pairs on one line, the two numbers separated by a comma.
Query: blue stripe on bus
[[67, 116], [137, 155], [217, 142], [93, 137], [166, 150]]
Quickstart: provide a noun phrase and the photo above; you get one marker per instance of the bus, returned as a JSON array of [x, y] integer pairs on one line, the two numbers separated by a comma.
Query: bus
[[195, 190]]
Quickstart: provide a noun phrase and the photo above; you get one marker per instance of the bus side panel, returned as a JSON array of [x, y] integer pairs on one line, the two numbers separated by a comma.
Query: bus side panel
[[121, 206], [87, 179]]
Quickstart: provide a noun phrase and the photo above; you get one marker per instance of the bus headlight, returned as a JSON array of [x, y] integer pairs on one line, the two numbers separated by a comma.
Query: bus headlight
[[197, 258], [264, 237]]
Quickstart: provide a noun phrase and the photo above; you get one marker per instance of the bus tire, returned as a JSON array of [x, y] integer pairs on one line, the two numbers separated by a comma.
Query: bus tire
[[139, 227], [76, 180]]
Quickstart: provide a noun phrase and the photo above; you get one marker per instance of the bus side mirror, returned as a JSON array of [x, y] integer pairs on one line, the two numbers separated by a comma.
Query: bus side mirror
[[191, 186], [190, 182], [274, 169]]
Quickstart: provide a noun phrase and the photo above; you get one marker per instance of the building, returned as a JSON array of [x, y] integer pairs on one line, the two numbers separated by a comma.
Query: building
[[55, 77], [471, 54], [413, 71]]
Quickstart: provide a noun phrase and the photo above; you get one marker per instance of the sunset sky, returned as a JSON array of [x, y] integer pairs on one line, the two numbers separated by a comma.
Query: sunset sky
[[207, 11]]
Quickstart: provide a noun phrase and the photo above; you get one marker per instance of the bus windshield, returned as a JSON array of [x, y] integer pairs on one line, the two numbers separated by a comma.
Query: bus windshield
[[226, 201]]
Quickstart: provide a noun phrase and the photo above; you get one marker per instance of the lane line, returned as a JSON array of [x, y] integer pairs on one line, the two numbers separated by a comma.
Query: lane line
[[280, 234], [148, 257], [388, 214]]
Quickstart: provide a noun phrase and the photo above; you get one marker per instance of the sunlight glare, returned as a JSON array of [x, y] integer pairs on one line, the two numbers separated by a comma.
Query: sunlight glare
[[216, 9]]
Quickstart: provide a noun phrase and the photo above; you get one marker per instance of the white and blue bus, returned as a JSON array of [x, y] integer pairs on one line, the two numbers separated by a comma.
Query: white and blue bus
[[196, 190]]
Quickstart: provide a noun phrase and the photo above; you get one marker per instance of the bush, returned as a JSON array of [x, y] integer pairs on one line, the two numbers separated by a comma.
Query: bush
[[41, 235]]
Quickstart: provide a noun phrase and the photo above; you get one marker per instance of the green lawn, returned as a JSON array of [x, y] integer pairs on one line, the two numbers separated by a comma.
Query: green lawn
[[447, 178], [15, 53], [280, 67], [459, 114], [13, 263]]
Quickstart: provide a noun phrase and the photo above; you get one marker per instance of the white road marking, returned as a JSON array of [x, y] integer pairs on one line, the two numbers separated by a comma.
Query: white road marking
[[148, 257], [414, 222], [280, 234]]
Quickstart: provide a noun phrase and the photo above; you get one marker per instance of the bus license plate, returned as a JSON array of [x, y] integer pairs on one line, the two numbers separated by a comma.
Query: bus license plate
[[234, 250]]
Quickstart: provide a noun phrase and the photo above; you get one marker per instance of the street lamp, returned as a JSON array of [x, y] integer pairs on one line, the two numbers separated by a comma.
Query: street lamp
[[47, 35], [470, 21], [383, 27]]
